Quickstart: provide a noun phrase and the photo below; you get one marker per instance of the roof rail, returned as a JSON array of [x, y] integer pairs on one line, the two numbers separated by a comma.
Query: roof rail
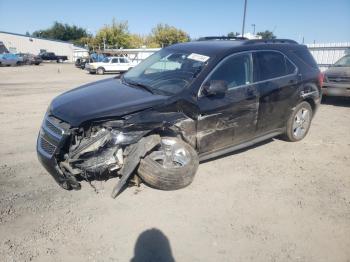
[[206, 38], [270, 41]]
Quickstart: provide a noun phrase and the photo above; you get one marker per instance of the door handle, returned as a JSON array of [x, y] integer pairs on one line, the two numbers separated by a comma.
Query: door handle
[[250, 91]]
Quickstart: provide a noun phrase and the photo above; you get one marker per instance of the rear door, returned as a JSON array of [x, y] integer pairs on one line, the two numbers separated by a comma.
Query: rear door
[[277, 82], [229, 119], [123, 64]]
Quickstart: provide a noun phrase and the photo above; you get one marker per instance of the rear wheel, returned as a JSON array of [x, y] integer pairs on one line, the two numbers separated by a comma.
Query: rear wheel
[[100, 71], [299, 122], [171, 166]]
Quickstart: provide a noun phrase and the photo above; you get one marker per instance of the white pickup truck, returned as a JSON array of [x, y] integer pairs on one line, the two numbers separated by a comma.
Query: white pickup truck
[[110, 64]]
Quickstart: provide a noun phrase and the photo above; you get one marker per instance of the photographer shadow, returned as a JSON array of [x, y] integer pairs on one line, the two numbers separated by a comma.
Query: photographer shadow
[[152, 245]]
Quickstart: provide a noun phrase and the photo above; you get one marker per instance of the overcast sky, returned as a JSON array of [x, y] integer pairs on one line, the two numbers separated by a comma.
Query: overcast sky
[[318, 20]]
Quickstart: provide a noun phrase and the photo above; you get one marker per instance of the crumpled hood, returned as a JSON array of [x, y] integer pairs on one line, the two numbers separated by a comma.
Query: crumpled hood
[[101, 99], [338, 71]]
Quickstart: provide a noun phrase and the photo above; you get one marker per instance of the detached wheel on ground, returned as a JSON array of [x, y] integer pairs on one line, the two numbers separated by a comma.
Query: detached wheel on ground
[[299, 122], [171, 166], [100, 71]]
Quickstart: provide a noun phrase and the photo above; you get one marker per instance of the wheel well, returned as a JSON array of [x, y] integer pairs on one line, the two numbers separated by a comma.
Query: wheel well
[[312, 103]]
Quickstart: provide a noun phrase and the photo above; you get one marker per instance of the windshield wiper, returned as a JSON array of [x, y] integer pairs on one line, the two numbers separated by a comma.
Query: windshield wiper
[[134, 83]]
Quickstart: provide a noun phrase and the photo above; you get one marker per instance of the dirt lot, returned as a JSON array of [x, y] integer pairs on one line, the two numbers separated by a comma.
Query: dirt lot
[[277, 201]]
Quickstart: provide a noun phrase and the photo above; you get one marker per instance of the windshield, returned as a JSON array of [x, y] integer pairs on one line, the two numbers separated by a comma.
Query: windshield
[[167, 72], [106, 60], [344, 61]]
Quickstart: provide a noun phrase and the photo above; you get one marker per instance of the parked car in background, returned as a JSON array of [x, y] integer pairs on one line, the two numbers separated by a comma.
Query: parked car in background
[[188, 102], [337, 78], [30, 59], [9, 59], [50, 56], [81, 62], [110, 64]]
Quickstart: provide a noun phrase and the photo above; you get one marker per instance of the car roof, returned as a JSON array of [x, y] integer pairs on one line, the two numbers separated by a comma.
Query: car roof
[[116, 57], [214, 47]]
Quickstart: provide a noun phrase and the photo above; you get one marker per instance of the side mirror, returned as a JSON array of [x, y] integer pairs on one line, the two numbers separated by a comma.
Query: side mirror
[[215, 87]]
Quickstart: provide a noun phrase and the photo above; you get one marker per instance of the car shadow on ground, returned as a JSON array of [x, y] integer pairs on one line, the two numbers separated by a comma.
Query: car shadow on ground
[[240, 150], [152, 245], [336, 101]]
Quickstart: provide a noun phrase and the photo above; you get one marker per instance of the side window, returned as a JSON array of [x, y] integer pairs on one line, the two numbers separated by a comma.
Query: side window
[[235, 70], [114, 61], [272, 65], [290, 68], [305, 56], [122, 60]]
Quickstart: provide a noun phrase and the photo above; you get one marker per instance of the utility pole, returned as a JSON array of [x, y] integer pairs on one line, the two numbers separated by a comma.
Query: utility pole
[[244, 13], [253, 25]]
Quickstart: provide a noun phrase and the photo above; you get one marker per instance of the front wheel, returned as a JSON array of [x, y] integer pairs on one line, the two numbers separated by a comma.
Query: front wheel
[[299, 122], [171, 166], [100, 71]]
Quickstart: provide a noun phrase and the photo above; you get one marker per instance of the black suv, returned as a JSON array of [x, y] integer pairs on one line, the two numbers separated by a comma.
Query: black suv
[[186, 103]]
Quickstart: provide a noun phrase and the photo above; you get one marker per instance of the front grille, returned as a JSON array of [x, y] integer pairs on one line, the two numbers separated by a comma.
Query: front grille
[[45, 147], [56, 130], [339, 79], [52, 134], [53, 128]]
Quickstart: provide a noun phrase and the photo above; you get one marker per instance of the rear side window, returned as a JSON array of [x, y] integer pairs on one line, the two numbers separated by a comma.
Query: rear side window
[[122, 60], [272, 64], [305, 56]]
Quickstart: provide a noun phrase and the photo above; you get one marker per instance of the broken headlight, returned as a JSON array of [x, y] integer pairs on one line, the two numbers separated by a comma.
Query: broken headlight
[[125, 138]]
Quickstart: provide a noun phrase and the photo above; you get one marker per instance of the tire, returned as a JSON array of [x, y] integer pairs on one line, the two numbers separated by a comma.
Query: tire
[[60, 60], [156, 175], [100, 71], [299, 122]]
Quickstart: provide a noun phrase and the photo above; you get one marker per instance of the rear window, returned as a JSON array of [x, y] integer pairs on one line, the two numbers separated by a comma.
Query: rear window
[[305, 56], [272, 64]]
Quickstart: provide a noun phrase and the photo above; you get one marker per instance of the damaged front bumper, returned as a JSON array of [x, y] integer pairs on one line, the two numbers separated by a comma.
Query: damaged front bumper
[[52, 137], [69, 157]]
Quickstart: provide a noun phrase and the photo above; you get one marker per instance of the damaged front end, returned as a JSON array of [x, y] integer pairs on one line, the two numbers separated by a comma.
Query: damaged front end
[[96, 152]]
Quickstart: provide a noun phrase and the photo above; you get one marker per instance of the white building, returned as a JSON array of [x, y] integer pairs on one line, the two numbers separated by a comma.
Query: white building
[[326, 54], [17, 43]]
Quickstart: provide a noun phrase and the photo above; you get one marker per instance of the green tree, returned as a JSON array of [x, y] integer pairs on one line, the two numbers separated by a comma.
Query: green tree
[[137, 41], [115, 35], [165, 35], [62, 32], [266, 35]]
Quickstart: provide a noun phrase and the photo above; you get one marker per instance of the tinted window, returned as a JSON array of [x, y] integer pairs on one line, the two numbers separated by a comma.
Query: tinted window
[[236, 71], [290, 68], [272, 65], [305, 56], [115, 60]]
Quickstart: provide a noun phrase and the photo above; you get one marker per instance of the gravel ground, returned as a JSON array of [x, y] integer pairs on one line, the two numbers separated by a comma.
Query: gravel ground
[[276, 201]]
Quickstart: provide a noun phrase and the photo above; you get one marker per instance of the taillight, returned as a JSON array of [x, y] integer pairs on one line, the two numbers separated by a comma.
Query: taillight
[[320, 79]]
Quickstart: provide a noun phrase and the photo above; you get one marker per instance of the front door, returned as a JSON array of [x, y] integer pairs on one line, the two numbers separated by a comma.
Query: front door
[[228, 119]]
